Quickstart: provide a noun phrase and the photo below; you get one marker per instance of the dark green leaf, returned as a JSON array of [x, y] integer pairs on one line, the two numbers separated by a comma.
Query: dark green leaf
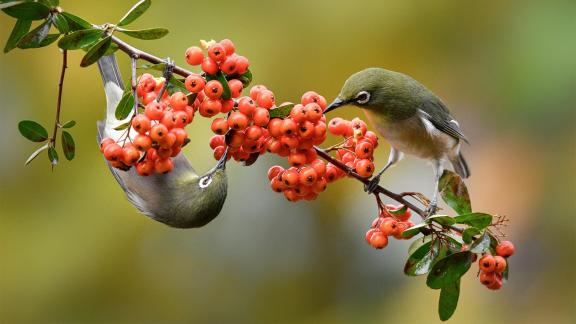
[[414, 230], [75, 22], [245, 78], [251, 159], [9, 3], [136, 11], [443, 220], [454, 192], [125, 106], [33, 131], [61, 23], [51, 38], [68, 145], [35, 154], [80, 39], [177, 85], [20, 29], [146, 34], [448, 300], [52, 156], [479, 220], [417, 243], [123, 126], [227, 93], [449, 269], [421, 260], [506, 273], [158, 67], [28, 10], [469, 233], [69, 124], [191, 97], [482, 244], [112, 49], [35, 37], [51, 3], [96, 51], [281, 112]]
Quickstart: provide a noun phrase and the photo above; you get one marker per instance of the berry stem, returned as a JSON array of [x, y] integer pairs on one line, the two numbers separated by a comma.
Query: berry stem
[[59, 102]]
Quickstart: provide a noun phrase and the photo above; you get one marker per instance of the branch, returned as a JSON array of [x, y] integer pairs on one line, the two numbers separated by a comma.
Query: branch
[[59, 102]]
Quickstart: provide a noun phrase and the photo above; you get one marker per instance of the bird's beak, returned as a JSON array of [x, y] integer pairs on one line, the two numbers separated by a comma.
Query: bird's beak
[[221, 165], [335, 104]]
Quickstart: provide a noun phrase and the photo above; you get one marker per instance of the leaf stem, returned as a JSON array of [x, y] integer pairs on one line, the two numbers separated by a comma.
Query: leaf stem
[[59, 102]]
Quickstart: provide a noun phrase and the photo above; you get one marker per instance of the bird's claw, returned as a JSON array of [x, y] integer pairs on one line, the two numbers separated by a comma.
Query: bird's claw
[[432, 209], [371, 186]]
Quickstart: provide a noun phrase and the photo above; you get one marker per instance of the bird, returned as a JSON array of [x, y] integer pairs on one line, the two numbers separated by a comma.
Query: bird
[[180, 198], [410, 117]]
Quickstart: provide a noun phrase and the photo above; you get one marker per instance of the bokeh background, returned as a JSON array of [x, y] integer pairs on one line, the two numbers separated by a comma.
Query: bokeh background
[[72, 249]]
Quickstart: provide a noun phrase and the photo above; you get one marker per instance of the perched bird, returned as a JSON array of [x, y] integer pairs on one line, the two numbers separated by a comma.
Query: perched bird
[[181, 198], [410, 117]]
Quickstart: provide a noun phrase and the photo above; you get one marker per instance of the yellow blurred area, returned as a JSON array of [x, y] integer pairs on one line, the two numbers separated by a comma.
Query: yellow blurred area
[[73, 250]]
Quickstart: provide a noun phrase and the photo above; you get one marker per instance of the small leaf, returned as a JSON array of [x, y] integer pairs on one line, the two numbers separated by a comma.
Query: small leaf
[[417, 243], [96, 51], [35, 37], [281, 112], [245, 78], [448, 300], [454, 192], [75, 22], [177, 85], [481, 245], [80, 39], [52, 156], [226, 93], [469, 233], [125, 106], [421, 260], [32, 131], [136, 11], [20, 29], [146, 34], [50, 38], [414, 230], [69, 124], [158, 67], [191, 98], [61, 23], [479, 220], [51, 3], [123, 126], [7, 3], [449, 269], [28, 10], [112, 49], [251, 159], [443, 220], [68, 145], [35, 154]]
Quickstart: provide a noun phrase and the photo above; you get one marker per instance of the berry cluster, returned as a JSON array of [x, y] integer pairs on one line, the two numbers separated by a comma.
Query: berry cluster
[[492, 267], [392, 221], [357, 151]]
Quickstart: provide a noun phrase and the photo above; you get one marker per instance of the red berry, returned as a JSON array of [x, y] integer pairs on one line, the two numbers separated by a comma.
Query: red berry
[[216, 140], [290, 178], [194, 83], [213, 89], [178, 101], [113, 152], [247, 106], [487, 263], [298, 114], [141, 123], [505, 249], [105, 142], [142, 142], [194, 55], [389, 226], [274, 171], [500, 264], [297, 159], [217, 52], [261, 117], [289, 127], [378, 240], [228, 46], [210, 107], [313, 112], [229, 65], [227, 106], [209, 66], [487, 278], [275, 127], [364, 150], [255, 91], [154, 110], [265, 99], [145, 168], [364, 168], [236, 87], [308, 176], [130, 156], [242, 64], [253, 133], [164, 165], [219, 126], [237, 121]]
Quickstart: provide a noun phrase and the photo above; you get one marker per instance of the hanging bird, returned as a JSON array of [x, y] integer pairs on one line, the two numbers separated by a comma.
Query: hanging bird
[[410, 117], [181, 198]]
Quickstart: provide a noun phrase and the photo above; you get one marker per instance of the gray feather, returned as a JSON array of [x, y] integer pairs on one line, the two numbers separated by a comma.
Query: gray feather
[[437, 113]]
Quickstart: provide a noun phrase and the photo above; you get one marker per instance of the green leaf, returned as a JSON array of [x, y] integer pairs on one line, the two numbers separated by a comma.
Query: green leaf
[[35, 153], [420, 262], [443, 220], [158, 67], [69, 124], [449, 269], [227, 93], [96, 51], [417, 243], [52, 156], [481, 245], [479, 220], [68, 145], [281, 112], [125, 106], [33, 131], [61, 23], [136, 11], [177, 85], [146, 34], [50, 38], [75, 22], [35, 37], [28, 10], [454, 192], [245, 78], [123, 126], [8, 3], [20, 29], [191, 97], [469, 233], [80, 39], [112, 49], [51, 3], [448, 300], [414, 230]]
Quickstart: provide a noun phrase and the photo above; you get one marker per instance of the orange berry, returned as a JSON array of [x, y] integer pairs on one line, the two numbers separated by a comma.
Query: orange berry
[[253, 133], [219, 126], [275, 127], [158, 132], [105, 142], [291, 195], [274, 171], [163, 165], [213, 89], [359, 125], [145, 168], [227, 106], [487, 263], [308, 176], [505, 249], [306, 130], [497, 284], [261, 117], [130, 156], [247, 106], [364, 168], [320, 185], [500, 264], [487, 278], [297, 159], [219, 152], [378, 240], [168, 119], [113, 152], [142, 142], [298, 113], [168, 141], [217, 140], [229, 65], [320, 130], [194, 83], [217, 52], [242, 64], [290, 178], [194, 55], [237, 121], [236, 87], [265, 99], [255, 91], [337, 126], [154, 110], [210, 108], [313, 97], [389, 226], [289, 127], [319, 166], [228, 46], [178, 101], [236, 139], [313, 112], [364, 150], [181, 135], [331, 173], [289, 142], [209, 66], [141, 123], [369, 234], [277, 185]]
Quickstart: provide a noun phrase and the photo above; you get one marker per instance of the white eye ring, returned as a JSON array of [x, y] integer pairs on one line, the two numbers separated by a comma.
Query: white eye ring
[[205, 181], [362, 101]]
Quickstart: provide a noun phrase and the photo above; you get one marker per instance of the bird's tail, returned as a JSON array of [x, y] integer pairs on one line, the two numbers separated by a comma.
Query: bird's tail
[[114, 88], [460, 166]]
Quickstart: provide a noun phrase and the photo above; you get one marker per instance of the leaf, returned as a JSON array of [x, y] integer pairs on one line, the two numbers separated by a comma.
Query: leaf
[[61, 23], [417, 243], [69, 124], [96, 51], [281, 112], [80, 39], [75, 22], [8, 3], [158, 67], [125, 105], [146, 34], [20, 29], [68, 145], [177, 85], [482, 244], [469, 233], [123, 126], [51, 3], [35, 37], [226, 93], [448, 300], [414, 230], [420, 262], [28, 10], [33, 131], [50, 38], [136, 11], [191, 97], [454, 192], [251, 159], [35, 153], [449, 269], [479, 220], [52, 156], [443, 220], [112, 49], [245, 78]]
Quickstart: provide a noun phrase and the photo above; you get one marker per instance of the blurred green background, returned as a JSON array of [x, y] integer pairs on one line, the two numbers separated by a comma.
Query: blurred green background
[[73, 250]]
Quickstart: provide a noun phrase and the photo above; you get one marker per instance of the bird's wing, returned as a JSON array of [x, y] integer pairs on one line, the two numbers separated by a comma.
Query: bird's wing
[[436, 112]]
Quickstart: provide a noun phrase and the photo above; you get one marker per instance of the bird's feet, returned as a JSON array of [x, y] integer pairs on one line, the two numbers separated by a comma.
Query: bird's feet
[[432, 208], [372, 185]]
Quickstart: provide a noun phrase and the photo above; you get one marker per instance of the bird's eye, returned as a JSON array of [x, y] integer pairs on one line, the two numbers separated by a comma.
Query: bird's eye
[[363, 97], [205, 181]]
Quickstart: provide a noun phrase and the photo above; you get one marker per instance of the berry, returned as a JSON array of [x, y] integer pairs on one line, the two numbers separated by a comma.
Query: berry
[[247, 106], [217, 52], [237, 121], [219, 126], [194, 55], [229, 65], [113, 152], [228, 46], [505, 249], [178, 101], [209, 66], [145, 168], [163, 165], [142, 142], [364, 150], [236, 87], [289, 127], [274, 171], [242, 64], [487, 263], [308, 176], [487, 278], [255, 91], [261, 117], [213, 89], [389, 227], [194, 83], [141, 124], [158, 132], [105, 142], [364, 168], [210, 107], [130, 155], [500, 264], [378, 240], [154, 110], [265, 99], [290, 178]]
